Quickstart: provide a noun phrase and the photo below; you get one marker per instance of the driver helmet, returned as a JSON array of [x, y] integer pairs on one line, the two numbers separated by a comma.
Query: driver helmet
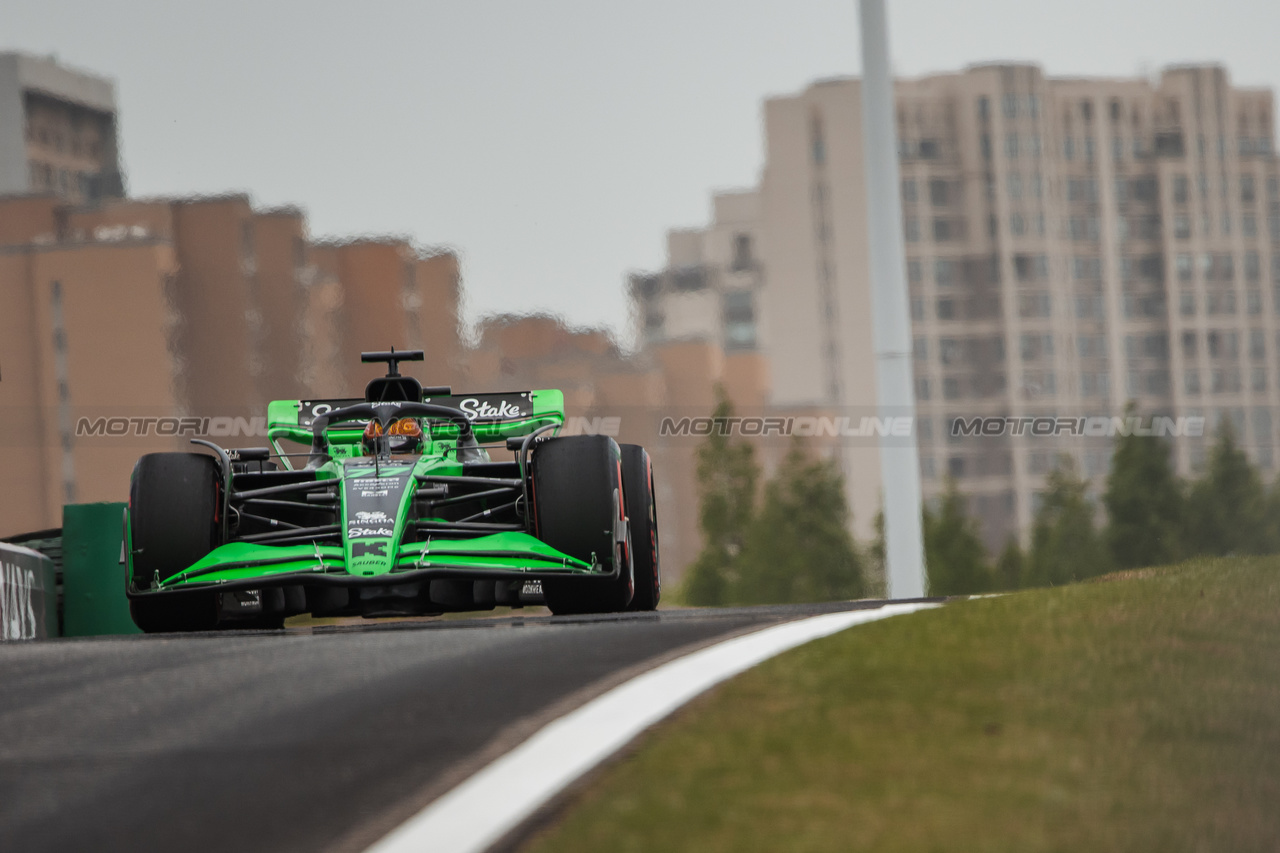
[[403, 436]]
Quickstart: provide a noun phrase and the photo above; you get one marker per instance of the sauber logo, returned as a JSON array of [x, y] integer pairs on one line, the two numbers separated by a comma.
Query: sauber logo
[[476, 409]]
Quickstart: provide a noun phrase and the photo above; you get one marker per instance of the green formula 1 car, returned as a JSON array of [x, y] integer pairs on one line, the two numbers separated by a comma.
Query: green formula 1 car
[[397, 509]]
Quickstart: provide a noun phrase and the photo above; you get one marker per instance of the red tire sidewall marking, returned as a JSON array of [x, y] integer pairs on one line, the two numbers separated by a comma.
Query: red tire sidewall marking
[[653, 522]]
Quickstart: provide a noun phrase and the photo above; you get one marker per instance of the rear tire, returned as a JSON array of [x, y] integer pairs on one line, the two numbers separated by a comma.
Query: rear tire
[[642, 518], [577, 494], [174, 504]]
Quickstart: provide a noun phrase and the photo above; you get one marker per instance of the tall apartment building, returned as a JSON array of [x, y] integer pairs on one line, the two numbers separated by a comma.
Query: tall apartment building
[[712, 283], [1072, 245], [57, 130], [83, 328]]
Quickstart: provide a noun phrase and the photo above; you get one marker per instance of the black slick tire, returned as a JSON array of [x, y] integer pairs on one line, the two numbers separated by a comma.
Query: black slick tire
[[174, 521], [577, 496]]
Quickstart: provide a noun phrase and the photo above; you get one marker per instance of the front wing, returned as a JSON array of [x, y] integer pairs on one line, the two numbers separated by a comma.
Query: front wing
[[435, 576]]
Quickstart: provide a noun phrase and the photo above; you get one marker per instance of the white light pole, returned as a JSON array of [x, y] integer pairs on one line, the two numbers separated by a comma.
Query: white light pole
[[895, 390]]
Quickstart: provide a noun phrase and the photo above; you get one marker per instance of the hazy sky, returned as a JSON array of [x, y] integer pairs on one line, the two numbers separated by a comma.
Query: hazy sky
[[550, 143]]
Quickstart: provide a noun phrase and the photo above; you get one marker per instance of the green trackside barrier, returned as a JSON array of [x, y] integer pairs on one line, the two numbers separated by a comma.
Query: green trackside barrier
[[93, 601]]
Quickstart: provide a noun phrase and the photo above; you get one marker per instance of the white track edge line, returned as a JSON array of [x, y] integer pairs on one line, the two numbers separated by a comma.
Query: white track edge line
[[477, 813]]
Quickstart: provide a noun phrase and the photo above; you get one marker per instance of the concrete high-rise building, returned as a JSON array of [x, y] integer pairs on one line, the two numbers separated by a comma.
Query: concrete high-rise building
[[712, 283], [83, 329], [57, 130], [1072, 245]]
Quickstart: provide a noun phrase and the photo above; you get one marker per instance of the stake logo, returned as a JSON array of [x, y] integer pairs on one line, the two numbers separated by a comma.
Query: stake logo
[[367, 532], [476, 409]]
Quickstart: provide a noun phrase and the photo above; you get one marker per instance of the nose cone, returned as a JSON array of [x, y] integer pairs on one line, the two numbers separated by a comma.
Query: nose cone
[[373, 498]]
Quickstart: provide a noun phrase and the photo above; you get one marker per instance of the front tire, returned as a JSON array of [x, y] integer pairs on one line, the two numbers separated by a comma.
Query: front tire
[[579, 504], [174, 504]]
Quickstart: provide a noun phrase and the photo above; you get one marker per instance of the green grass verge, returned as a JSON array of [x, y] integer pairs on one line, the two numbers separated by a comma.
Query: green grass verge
[[1141, 713]]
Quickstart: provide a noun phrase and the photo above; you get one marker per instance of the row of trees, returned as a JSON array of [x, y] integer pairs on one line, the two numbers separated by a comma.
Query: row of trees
[[1152, 517], [793, 545]]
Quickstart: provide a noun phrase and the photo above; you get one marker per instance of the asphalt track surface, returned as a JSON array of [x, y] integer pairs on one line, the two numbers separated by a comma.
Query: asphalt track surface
[[304, 739]]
